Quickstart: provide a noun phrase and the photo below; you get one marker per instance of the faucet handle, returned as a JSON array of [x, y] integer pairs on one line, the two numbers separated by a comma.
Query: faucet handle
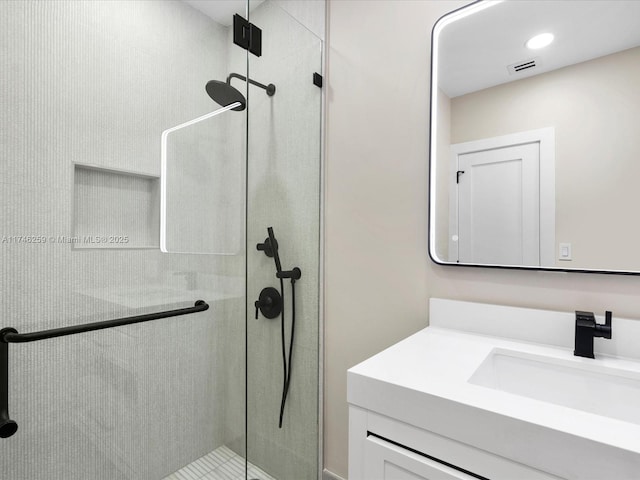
[[605, 330]]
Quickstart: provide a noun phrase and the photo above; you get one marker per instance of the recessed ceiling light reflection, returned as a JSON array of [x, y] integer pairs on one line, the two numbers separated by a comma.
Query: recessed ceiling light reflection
[[540, 41]]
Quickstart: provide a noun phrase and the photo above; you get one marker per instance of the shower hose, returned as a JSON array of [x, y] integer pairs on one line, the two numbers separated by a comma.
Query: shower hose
[[287, 363]]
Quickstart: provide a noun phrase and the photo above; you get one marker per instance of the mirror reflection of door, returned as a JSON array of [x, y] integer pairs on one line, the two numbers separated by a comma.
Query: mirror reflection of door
[[499, 206], [496, 212]]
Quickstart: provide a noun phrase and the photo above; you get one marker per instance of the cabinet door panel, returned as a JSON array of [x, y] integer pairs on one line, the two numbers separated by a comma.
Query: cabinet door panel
[[386, 461]]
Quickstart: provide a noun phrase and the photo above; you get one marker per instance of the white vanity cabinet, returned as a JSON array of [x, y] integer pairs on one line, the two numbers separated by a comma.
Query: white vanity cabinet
[[381, 448], [449, 402]]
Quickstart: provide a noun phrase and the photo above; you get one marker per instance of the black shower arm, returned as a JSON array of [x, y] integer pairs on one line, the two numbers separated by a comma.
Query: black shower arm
[[10, 335], [271, 88]]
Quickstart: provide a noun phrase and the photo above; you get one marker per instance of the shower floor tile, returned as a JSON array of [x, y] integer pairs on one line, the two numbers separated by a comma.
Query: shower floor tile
[[221, 464]]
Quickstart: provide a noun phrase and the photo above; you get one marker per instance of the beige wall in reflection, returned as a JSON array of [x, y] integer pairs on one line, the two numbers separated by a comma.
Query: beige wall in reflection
[[594, 108]]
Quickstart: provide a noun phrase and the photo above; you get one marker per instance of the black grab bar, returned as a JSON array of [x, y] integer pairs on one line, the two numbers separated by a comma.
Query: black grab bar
[[10, 335]]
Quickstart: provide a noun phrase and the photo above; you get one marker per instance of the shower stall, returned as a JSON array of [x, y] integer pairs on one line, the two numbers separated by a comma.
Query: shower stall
[[147, 157]]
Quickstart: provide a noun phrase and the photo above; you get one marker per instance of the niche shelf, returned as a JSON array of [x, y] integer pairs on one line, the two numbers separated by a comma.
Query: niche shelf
[[115, 209]]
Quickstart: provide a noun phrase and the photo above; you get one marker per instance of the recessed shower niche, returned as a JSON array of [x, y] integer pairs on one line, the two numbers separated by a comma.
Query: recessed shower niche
[[114, 209]]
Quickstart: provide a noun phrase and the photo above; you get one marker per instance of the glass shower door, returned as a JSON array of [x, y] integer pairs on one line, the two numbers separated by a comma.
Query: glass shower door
[[284, 193], [88, 88]]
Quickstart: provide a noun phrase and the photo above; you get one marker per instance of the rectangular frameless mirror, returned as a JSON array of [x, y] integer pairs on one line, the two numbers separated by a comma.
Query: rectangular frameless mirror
[[535, 136]]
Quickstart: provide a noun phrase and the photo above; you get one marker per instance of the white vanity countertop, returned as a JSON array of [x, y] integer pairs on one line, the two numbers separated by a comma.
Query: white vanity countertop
[[423, 381]]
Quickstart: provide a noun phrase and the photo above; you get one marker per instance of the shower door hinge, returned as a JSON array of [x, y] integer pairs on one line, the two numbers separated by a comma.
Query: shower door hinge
[[317, 80], [247, 35]]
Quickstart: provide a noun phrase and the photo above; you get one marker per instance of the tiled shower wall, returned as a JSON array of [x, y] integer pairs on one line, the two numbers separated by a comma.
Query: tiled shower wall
[[95, 83]]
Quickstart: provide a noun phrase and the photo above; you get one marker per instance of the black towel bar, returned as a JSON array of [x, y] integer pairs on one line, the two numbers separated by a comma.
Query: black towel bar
[[10, 335]]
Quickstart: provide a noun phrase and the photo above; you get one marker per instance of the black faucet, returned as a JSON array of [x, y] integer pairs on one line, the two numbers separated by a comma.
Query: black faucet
[[587, 329]]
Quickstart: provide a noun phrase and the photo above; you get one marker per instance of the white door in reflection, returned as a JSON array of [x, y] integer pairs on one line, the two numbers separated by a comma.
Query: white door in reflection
[[499, 206]]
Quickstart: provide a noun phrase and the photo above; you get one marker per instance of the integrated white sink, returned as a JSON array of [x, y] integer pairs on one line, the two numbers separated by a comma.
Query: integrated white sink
[[582, 385]]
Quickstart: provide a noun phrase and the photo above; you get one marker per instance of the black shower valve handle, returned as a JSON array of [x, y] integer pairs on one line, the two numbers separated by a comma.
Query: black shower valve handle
[[263, 302], [269, 303]]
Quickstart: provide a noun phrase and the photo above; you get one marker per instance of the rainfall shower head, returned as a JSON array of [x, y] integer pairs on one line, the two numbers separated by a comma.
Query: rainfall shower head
[[224, 94]]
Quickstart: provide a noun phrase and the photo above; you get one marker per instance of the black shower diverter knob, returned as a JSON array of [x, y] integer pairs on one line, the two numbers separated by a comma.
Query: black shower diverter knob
[[269, 303]]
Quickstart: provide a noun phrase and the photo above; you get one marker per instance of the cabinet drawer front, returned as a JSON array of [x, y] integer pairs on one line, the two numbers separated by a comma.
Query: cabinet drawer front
[[388, 461], [471, 459]]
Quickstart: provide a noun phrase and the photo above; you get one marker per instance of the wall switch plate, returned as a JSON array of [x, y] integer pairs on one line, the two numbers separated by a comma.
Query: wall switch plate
[[564, 251]]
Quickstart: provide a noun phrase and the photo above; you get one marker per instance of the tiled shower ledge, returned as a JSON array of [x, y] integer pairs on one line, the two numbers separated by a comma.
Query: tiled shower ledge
[[221, 464]]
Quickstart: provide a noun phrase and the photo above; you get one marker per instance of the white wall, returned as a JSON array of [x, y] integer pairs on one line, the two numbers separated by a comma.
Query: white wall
[[378, 274]]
